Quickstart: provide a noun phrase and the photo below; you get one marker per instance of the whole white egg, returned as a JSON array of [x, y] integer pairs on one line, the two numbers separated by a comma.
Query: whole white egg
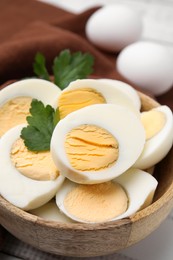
[[113, 27], [148, 65]]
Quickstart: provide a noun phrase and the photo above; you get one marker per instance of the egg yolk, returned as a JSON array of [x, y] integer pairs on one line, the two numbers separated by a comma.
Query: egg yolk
[[73, 100], [14, 112], [153, 121], [91, 148], [96, 203], [34, 165]]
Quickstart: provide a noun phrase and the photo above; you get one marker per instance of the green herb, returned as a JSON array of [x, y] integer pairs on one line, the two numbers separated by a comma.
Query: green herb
[[66, 67], [39, 67], [41, 123]]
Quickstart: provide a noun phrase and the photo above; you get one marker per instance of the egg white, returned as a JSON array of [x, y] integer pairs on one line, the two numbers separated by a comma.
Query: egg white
[[140, 188], [158, 146], [19, 190], [138, 185], [50, 211], [40, 89], [126, 89], [118, 121], [112, 94]]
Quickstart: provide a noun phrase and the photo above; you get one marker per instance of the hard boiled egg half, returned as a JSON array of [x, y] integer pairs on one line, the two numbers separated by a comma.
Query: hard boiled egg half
[[97, 143], [15, 100], [109, 201], [126, 89], [158, 125], [27, 179], [86, 92]]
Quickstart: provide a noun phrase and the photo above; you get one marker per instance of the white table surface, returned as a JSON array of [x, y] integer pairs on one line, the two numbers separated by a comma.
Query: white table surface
[[158, 21]]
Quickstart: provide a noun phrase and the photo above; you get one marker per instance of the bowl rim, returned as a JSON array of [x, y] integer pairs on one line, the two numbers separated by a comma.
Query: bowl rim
[[29, 217]]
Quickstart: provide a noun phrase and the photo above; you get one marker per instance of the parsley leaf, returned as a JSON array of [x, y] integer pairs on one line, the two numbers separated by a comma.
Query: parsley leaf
[[41, 123], [39, 67], [68, 67]]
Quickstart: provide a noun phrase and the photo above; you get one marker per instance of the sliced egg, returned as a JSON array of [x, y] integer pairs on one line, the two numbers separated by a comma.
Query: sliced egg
[[97, 143], [15, 100], [86, 92], [140, 187], [109, 201], [158, 124], [23, 192], [126, 89], [51, 212]]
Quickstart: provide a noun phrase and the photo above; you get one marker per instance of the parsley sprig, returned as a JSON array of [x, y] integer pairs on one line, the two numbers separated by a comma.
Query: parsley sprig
[[41, 123], [39, 67], [43, 119], [66, 67]]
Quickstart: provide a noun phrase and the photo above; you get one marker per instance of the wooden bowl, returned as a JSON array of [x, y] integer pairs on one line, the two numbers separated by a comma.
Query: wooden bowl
[[94, 239]]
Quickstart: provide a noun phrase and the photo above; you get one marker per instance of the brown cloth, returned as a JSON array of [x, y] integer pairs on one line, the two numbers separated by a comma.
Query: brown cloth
[[27, 27]]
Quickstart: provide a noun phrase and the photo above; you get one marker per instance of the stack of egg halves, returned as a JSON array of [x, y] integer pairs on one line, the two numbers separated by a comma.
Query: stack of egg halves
[[104, 147]]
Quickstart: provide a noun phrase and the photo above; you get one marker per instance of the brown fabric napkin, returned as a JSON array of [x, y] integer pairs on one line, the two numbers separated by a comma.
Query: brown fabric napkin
[[31, 26]]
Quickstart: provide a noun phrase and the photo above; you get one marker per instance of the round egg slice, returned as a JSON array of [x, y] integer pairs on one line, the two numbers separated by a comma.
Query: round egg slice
[[51, 212], [86, 92], [109, 201], [15, 100], [23, 189], [158, 125], [97, 143]]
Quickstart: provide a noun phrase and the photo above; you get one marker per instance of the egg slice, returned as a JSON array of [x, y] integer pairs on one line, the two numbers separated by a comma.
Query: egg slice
[[23, 192], [97, 143], [126, 89], [15, 100], [109, 201], [50, 212], [86, 92], [158, 124]]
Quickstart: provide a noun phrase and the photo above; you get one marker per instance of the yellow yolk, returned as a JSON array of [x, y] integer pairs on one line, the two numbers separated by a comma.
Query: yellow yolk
[[96, 203], [89, 148], [34, 165], [14, 112], [73, 100], [153, 121]]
